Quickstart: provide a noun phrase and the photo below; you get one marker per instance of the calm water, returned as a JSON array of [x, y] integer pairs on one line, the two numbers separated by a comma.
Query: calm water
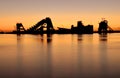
[[60, 56]]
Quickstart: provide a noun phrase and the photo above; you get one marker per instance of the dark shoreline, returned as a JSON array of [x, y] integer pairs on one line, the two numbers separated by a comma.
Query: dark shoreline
[[55, 32]]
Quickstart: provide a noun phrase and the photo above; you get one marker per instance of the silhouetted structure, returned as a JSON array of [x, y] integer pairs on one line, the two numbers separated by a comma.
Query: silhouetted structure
[[81, 29], [103, 25], [37, 28], [63, 30], [20, 28], [88, 29], [46, 26]]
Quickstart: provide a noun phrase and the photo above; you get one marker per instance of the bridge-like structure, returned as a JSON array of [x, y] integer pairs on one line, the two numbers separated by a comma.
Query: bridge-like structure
[[37, 28]]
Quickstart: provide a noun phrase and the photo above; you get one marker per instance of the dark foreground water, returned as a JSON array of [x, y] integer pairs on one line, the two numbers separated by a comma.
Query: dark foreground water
[[60, 56]]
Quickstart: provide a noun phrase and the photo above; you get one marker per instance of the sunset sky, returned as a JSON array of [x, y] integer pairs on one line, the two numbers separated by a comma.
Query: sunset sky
[[63, 13]]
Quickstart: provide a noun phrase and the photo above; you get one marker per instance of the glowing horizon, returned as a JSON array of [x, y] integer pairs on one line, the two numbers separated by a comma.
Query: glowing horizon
[[63, 13]]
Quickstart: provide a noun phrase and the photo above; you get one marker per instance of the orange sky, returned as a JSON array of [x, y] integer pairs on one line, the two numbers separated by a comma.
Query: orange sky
[[9, 22], [63, 13]]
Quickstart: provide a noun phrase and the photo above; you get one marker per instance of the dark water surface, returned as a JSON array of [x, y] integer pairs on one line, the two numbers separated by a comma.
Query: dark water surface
[[60, 56]]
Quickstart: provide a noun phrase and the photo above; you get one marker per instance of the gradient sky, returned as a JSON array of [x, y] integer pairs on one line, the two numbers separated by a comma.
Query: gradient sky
[[63, 13]]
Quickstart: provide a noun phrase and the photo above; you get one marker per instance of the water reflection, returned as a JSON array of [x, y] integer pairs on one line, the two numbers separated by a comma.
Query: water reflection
[[61, 56], [45, 37], [103, 56], [80, 58], [80, 37], [30, 65], [103, 37], [86, 67], [41, 37], [49, 38], [19, 57], [47, 61]]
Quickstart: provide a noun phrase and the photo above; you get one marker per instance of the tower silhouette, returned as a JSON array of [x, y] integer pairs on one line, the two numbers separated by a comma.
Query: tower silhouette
[[103, 25]]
